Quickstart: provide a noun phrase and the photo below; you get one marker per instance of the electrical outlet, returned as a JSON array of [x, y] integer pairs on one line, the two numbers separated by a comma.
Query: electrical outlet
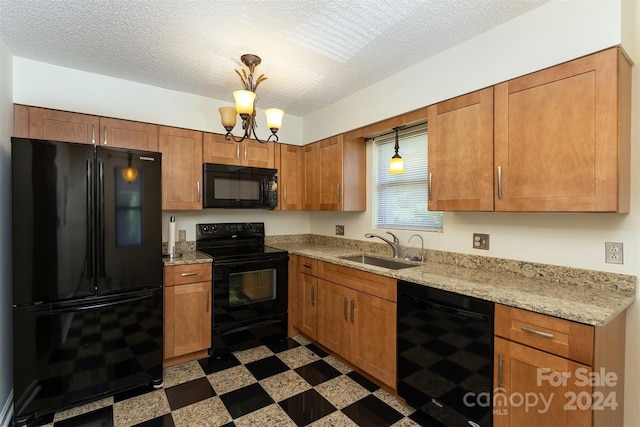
[[182, 235], [339, 230], [613, 253], [480, 241]]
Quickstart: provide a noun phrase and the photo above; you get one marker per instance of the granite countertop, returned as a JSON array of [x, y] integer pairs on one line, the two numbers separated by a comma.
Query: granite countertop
[[584, 296], [188, 257]]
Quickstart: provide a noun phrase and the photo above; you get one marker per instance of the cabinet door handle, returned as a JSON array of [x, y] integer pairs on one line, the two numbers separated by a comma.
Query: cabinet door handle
[[535, 332], [207, 300], [500, 361], [188, 274], [430, 190], [337, 193], [198, 190], [245, 152], [313, 295], [285, 195], [93, 134], [105, 135], [344, 308], [238, 151], [352, 310], [499, 182]]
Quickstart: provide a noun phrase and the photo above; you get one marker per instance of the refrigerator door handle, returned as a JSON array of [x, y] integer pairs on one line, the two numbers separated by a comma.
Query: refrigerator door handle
[[100, 223], [90, 256]]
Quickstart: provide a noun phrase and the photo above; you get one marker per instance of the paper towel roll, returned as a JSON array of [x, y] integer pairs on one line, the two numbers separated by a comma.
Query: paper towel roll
[[171, 243]]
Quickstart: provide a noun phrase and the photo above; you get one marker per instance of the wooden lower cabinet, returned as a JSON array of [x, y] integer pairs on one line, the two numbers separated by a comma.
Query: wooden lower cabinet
[[334, 328], [187, 313], [536, 393], [355, 324], [554, 372], [309, 305], [349, 312], [303, 296]]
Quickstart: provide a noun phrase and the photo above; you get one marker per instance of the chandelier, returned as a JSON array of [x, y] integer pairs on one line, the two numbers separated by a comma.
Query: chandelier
[[245, 105]]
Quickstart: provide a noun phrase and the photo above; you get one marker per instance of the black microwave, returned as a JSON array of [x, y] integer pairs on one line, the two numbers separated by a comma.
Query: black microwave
[[239, 187]]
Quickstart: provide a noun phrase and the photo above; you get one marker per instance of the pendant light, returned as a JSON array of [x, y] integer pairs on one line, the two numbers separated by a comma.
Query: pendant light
[[397, 165]]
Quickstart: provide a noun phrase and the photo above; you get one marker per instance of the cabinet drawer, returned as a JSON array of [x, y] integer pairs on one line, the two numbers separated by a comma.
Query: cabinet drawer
[[308, 266], [557, 336], [188, 273], [363, 281]]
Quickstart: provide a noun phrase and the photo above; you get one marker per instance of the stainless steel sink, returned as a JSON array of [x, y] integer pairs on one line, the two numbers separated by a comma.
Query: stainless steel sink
[[379, 262]]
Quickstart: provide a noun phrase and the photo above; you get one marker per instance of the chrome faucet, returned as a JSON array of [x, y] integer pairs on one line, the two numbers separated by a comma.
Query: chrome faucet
[[421, 245], [395, 245]]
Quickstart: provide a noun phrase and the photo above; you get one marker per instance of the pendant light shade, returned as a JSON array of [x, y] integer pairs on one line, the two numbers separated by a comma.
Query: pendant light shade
[[397, 164]]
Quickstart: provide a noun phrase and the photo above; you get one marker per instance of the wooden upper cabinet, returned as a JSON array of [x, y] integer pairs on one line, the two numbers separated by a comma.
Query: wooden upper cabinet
[[461, 153], [257, 154], [310, 166], [128, 134], [181, 168], [341, 174], [42, 123], [562, 137], [290, 163], [216, 149], [329, 186]]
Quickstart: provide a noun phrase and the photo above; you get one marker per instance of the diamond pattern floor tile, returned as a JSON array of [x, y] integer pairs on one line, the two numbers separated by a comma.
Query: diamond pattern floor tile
[[288, 383]]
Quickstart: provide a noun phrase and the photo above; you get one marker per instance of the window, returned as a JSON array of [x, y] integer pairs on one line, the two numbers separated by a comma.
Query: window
[[401, 200]]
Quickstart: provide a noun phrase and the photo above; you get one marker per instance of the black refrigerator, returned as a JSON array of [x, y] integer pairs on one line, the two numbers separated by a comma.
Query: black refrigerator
[[87, 273]]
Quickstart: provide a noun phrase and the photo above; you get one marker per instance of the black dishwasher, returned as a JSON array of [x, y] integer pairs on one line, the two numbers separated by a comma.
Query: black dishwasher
[[445, 355]]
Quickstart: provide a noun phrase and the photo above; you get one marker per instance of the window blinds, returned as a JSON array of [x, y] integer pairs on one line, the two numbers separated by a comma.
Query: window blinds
[[401, 200]]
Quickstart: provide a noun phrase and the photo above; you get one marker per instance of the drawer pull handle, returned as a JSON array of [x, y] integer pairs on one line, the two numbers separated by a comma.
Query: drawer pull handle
[[306, 265], [533, 331], [188, 274]]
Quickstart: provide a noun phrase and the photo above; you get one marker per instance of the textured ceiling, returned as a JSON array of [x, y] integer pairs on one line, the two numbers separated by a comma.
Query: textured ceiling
[[314, 52]]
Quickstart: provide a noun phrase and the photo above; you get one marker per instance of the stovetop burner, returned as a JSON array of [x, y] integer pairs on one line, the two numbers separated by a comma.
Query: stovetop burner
[[234, 241]]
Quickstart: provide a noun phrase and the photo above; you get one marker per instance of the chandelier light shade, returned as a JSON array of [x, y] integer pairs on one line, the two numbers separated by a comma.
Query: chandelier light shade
[[228, 116], [244, 101], [274, 118], [397, 164], [245, 105]]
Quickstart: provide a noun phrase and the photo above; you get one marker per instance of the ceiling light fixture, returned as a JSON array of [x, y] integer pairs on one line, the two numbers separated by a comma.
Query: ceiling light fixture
[[397, 165], [245, 105]]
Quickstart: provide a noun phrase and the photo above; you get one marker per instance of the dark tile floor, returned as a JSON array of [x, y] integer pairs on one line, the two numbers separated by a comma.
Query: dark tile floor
[[292, 383]]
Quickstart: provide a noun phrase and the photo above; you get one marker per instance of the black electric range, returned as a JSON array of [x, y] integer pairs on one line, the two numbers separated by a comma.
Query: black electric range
[[250, 286]]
